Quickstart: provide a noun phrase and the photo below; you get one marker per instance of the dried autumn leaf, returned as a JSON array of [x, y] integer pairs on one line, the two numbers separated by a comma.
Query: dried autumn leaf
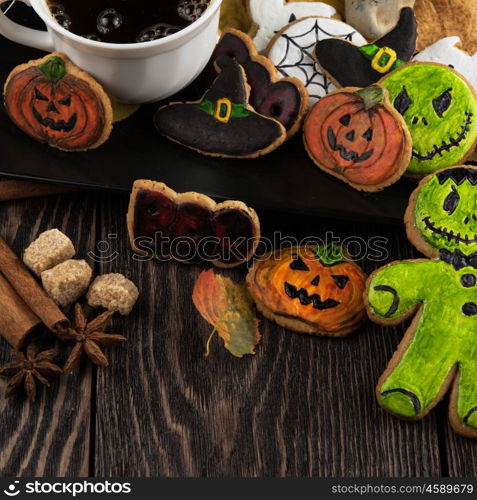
[[229, 309]]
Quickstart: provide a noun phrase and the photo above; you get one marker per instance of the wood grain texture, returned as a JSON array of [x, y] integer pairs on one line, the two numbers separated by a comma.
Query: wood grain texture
[[302, 406], [52, 436]]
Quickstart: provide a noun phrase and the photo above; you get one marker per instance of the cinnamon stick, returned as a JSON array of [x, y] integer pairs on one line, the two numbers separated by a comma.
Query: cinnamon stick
[[18, 190], [30, 291], [17, 321]]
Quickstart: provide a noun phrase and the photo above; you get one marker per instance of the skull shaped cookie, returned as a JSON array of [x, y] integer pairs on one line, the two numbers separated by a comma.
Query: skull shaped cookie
[[440, 110]]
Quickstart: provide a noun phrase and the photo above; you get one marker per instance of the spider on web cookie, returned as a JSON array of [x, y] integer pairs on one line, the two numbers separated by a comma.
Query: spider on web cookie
[[291, 50]]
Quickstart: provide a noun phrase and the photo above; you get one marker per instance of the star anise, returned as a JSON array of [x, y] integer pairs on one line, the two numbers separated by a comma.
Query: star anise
[[90, 339], [29, 367]]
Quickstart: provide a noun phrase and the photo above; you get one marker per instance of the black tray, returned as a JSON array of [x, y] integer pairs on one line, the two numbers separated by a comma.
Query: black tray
[[285, 181]]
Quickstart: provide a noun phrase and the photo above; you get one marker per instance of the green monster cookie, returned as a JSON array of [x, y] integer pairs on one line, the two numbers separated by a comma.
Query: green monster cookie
[[439, 348], [440, 109]]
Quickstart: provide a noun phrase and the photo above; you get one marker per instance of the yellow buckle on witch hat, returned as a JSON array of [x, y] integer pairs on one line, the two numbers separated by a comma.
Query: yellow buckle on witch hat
[[223, 110], [384, 60]]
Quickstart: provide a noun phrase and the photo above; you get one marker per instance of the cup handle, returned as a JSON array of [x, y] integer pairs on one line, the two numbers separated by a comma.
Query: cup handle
[[26, 36]]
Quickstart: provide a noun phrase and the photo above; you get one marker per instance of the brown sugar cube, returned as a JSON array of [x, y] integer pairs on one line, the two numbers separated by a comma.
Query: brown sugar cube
[[113, 292], [48, 250], [67, 282]]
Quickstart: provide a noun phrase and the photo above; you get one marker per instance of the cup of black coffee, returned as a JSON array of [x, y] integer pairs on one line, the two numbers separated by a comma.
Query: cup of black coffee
[[140, 50]]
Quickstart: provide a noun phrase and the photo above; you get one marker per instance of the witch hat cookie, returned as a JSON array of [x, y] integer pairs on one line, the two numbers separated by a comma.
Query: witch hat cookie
[[352, 66], [222, 123]]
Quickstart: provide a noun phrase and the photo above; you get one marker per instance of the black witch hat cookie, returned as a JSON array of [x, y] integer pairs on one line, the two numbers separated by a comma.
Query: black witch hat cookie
[[352, 66], [222, 123], [283, 99]]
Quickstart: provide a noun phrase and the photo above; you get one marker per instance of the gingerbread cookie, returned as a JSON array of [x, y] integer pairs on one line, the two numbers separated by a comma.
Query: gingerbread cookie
[[438, 348], [374, 18], [358, 136], [310, 290], [222, 123], [438, 19], [440, 110], [291, 50], [190, 227], [351, 66], [55, 102], [270, 16], [285, 99], [446, 51]]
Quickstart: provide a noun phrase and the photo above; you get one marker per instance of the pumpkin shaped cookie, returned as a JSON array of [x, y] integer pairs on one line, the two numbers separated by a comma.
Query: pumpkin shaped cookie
[[310, 289], [357, 136], [55, 102]]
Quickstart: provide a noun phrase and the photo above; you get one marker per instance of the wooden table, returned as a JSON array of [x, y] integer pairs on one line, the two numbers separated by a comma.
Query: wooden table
[[302, 406]]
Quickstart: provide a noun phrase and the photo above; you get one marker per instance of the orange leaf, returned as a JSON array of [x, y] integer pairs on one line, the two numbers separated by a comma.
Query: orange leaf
[[228, 307]]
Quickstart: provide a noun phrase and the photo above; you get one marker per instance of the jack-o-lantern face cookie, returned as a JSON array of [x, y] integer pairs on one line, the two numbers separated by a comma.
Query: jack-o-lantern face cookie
[[291, 50], [222, 123], [351, 66], [438, 348], [190, 227], [310, 290], [270, 16], [440, 110], [357, 136], [55, 102], [283, 99]]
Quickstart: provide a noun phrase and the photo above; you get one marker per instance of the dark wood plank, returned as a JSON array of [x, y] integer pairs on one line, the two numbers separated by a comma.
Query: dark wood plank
[[302, 406], [460, 452], [52, 436]]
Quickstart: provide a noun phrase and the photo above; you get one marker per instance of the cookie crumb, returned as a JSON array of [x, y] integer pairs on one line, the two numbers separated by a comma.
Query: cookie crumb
[[67, 282], [48, 250], [113, 292]]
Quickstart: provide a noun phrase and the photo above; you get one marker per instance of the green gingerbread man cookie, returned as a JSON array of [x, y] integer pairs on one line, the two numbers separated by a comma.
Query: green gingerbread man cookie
[[440, 110], [440, 346]]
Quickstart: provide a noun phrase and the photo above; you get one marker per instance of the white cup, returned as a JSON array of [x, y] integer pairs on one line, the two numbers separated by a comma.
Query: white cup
[[131, 72]]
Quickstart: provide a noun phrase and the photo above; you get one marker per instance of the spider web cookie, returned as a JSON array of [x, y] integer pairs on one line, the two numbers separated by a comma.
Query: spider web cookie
[[291, 50]]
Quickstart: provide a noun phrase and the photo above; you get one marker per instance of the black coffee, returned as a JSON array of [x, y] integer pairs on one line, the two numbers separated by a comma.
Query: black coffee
[[126, 21]]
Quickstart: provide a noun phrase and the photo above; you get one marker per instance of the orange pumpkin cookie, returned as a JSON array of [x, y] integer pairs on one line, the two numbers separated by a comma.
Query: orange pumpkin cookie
[[358, 136], [310, 290], [55, 102]]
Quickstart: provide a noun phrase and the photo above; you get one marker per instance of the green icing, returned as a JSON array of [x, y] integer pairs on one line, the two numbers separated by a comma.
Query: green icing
[[445, 333], [440, 110], [370, 51], [238, 110], [53, 68], [330, 255], [444, 215]]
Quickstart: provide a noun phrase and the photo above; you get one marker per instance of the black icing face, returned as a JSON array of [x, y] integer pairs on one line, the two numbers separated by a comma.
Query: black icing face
[[439, 109], [446, 210], [308, 285], [54, 112]]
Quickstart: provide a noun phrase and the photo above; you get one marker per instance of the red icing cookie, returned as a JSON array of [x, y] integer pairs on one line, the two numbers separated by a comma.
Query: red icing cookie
[[55, 102], [358, 136], [190, 227]]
